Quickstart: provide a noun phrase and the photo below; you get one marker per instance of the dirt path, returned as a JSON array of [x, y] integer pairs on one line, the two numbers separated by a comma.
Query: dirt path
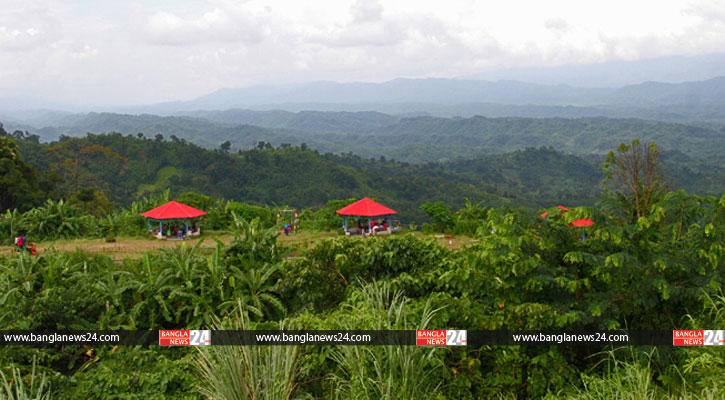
[[123, 247], [135, 247]]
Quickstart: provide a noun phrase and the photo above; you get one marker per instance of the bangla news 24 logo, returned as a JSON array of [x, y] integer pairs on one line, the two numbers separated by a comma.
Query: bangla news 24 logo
[[181, 337], [698, 338], [441, 337]]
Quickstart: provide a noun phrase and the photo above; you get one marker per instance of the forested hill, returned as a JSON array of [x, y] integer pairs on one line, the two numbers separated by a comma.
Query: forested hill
[[201, 132], [305, 121], [298, 117], [464, 137], [412, 139], [128, 167]]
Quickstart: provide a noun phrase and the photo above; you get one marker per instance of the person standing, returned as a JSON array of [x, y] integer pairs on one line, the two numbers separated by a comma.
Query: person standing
[[20, 242]]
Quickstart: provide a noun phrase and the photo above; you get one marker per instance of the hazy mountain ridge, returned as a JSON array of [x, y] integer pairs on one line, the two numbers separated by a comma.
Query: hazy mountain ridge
[[308, 121], [412, 139], [202, 132], [712, 115], [711, 91], [456, 91], [687, 102], [618, 73], [437, 91]]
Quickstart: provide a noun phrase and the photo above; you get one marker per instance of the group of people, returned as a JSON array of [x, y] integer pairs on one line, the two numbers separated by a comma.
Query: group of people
[[286, 229], [375, 226], [21, 244], [177, 231], [379, 226]]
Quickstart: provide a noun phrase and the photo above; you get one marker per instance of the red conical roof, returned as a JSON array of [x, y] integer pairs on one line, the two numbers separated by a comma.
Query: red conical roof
[[365, 208], [173, 210]]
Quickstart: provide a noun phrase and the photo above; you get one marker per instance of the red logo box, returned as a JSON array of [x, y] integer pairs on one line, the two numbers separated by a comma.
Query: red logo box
[[430, 337], [174, 338], [688, 338]]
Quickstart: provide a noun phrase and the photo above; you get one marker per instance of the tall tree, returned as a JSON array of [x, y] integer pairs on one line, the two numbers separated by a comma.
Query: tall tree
[[633, 172], [73, 156], [19, 182]]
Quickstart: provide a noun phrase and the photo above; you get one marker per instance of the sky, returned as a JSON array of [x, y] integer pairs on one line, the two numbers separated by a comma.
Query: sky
[[117, 52]]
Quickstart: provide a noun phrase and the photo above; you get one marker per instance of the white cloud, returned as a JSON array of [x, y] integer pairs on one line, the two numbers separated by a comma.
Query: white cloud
[[26, 30], [225, 23], [85, 51], [708, 10], [556, 24], [367, 11]]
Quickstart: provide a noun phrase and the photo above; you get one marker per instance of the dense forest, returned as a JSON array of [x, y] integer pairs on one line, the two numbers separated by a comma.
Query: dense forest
[[412, 139], [126, 168]]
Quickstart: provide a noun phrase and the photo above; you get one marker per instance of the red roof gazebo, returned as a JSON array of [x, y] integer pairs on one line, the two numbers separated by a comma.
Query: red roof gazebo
[[582, 223], [174, 211], [365, 208]]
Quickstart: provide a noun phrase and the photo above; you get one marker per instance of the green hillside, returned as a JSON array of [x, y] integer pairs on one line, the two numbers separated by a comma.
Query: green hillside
[[301, 177]]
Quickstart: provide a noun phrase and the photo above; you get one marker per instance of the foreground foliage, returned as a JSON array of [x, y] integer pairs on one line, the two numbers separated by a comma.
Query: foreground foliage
[[660, 271]]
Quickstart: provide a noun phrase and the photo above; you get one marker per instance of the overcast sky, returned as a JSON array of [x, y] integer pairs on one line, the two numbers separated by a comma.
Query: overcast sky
[[132, 52]]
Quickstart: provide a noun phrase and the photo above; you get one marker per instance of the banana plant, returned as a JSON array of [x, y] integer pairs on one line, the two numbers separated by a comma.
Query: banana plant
[[22, 272], [152, 284], [257, 289], [184, 262], [113, 285], [12, 221]]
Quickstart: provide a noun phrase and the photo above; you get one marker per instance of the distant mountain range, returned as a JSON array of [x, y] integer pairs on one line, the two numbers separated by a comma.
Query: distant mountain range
[[615, 74], [701, 102], [452, 92], [678, 88]]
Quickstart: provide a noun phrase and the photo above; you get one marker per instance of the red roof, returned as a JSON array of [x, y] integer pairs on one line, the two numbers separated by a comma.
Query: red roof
[[365, 208], [580, 223], [173, 210]]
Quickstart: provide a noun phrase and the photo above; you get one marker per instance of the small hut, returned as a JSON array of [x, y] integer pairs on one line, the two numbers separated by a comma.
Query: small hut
[[174, 216], [373, 218]]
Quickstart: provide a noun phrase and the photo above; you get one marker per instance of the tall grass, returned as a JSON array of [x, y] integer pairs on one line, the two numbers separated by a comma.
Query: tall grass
[[32, 387], [624, 380], [385, 372], [247, 372], [634, 380]]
